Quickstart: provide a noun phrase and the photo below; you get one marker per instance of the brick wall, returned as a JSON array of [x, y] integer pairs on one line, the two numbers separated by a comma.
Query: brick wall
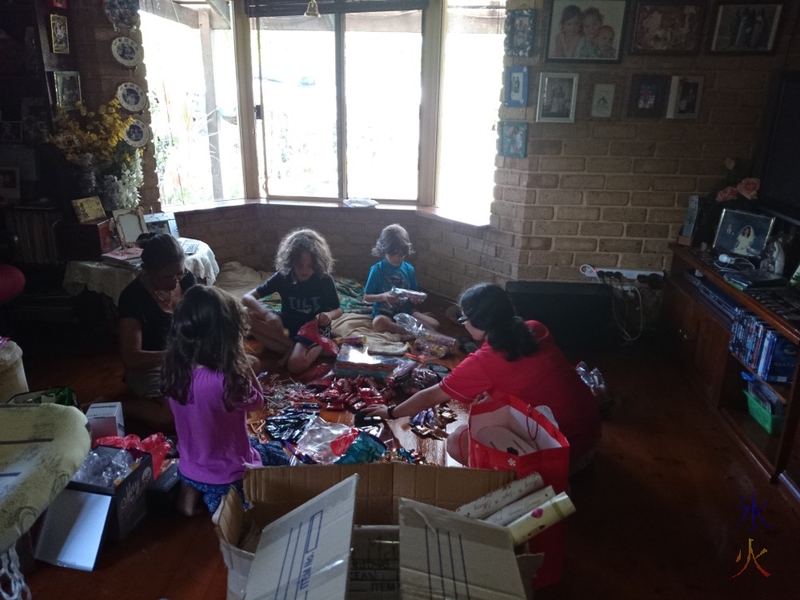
[[610, 192]]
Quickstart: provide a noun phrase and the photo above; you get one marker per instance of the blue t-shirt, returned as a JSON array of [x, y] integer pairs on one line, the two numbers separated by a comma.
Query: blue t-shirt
[[301, 301], [383, 276]]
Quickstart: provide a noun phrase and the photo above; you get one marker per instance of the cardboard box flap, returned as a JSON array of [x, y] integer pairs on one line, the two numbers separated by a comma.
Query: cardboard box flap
[[444, 555], [306, 553]]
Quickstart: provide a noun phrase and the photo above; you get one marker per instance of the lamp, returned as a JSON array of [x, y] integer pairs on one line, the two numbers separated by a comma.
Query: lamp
[[313, 9]]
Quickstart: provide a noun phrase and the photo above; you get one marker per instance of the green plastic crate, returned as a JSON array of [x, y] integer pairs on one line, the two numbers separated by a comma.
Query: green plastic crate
[[772, 423]]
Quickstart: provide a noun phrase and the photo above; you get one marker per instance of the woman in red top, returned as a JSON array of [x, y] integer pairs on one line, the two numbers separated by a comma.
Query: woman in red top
[[517, 358]]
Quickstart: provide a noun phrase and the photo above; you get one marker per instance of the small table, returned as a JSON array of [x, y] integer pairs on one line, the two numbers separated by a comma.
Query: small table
[[110, 280]]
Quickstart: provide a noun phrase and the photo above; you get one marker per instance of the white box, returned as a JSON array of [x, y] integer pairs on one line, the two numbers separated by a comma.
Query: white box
[[105, 420], [306, 552]]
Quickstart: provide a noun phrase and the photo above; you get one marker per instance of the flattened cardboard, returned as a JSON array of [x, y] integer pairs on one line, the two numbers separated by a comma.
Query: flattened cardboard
[[306, 553], [455, 556]]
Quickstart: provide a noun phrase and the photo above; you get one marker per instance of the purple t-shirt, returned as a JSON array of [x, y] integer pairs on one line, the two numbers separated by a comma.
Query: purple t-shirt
[[213, 443]]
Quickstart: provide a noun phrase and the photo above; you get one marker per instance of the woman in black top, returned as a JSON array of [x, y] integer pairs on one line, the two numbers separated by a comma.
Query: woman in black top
[[146, 307]]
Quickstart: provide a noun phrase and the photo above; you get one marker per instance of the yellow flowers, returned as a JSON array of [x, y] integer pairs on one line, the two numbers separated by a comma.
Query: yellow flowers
[[89, 136]]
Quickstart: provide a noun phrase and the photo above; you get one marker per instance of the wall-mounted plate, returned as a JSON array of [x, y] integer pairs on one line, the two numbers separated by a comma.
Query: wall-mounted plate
[[131, 97], [138, 134], [127, 52]]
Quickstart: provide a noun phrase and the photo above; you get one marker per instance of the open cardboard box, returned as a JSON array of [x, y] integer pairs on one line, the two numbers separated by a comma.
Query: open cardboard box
[[310, 512]]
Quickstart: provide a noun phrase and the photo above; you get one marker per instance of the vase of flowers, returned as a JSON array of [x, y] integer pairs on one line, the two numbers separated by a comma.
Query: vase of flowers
[[105, 164], [738, 192]]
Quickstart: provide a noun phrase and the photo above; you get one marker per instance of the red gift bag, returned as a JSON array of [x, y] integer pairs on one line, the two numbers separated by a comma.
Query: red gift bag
[[506, 433]]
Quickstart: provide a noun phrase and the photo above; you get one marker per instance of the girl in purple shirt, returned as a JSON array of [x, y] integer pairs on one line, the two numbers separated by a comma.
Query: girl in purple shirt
[[211, 387]]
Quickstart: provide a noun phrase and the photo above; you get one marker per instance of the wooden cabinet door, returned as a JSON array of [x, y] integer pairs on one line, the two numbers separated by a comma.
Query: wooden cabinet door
[[710, 354], [679, 322]]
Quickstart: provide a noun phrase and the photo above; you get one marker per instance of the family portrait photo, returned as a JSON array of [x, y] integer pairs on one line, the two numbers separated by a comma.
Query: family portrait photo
[[585, 30], [557, 93], [746, 28], [667, 28]]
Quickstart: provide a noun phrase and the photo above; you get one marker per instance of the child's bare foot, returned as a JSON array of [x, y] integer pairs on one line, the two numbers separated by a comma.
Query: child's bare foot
[[189, 500]]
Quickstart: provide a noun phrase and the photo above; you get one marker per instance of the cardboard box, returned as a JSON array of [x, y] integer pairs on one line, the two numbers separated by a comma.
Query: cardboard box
[[84, 515], [319, 532], [106, 420]]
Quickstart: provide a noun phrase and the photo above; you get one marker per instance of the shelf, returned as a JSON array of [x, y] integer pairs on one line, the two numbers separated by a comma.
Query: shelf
[[783, 390], [763, 445]]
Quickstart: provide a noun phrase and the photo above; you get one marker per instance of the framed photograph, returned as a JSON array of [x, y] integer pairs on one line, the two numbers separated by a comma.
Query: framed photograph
[[585, 30], [516, 86], [667, 27], [745, 28], [519, 27], [35, 120], [603, 100], [684, 97], [59, 4], [68, 89], [130, 225], [11, 132], [513, 139], [60, 36], [557, 93], [742, 233], [88, 209], [162, 223], [648, 96], [9, 185]]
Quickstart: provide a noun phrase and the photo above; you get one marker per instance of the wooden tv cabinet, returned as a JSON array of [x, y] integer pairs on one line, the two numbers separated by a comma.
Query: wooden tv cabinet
[[699, 332]]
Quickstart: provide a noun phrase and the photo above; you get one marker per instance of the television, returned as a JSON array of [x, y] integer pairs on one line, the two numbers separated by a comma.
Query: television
[[780, 158]]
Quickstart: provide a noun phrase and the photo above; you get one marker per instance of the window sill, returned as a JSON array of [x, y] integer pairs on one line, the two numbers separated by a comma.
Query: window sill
[[479, 221]]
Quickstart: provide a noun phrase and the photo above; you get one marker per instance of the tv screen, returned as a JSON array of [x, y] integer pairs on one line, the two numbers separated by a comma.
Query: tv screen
[[780, 174]]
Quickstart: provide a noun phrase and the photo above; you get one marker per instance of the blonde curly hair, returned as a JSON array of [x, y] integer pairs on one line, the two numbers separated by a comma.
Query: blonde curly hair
[[295, 243]]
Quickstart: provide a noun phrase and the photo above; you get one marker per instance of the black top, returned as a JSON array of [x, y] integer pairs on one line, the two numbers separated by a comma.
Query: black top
[[301, 301], [135, 302]]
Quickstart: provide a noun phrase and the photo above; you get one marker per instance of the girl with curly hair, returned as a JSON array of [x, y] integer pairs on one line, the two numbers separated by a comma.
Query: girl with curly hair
[[304, 283], [210, 383]]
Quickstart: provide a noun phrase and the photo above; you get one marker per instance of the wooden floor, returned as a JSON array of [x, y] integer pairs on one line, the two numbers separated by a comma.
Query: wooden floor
[[657, 513]]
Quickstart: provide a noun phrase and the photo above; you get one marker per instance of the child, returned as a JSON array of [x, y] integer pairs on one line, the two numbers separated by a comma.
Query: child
[[591, 23], [393, 271], [211, 385], [566, 43], [605, 42], [302, 279]]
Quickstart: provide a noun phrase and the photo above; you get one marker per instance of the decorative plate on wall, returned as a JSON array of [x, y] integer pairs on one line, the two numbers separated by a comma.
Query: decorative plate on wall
[[138, 134], [131, 97], [122, 13], [127, 52]]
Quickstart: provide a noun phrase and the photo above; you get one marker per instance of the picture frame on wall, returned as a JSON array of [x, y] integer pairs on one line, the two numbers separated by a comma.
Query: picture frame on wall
[[603, 100], [68, 89], [62, 4], [10, 132], [586, 30], [557, 97], [742, 233], [59, 34], [667, 28], [519, 27], [745, 28], [512, 139], [648, 95], [684, 97], [10, 187], [516, 86]]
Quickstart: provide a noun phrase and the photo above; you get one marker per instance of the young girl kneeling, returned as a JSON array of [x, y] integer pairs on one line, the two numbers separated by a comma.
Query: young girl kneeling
[[211, 386]]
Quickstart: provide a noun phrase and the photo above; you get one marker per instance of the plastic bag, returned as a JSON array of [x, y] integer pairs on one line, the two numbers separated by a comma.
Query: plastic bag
[[593, 378], [311, 332], [326, 442], [156, 445], [429, 341]]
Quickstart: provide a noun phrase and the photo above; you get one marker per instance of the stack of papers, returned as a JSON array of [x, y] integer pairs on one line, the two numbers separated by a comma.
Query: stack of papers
[[129, 258]]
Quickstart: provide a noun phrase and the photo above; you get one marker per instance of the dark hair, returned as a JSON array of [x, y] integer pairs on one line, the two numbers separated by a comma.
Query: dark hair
[[489, 308], [207, 330], [393, 240], [593, 12], [571, 12], [296, 243], [159, 250]]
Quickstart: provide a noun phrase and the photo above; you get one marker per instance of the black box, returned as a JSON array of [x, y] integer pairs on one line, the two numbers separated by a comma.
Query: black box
[[162, 493]]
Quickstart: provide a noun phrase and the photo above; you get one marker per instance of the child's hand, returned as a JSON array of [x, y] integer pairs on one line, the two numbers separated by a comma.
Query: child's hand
[[323, 320]]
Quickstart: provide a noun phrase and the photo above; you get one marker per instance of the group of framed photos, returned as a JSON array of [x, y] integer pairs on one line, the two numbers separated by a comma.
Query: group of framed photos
[[595, 30]]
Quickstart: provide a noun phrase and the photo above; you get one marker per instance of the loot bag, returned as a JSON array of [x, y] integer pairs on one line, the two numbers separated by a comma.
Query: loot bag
[[310, 331], [156, 445], [326, 442], [506, 433]]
